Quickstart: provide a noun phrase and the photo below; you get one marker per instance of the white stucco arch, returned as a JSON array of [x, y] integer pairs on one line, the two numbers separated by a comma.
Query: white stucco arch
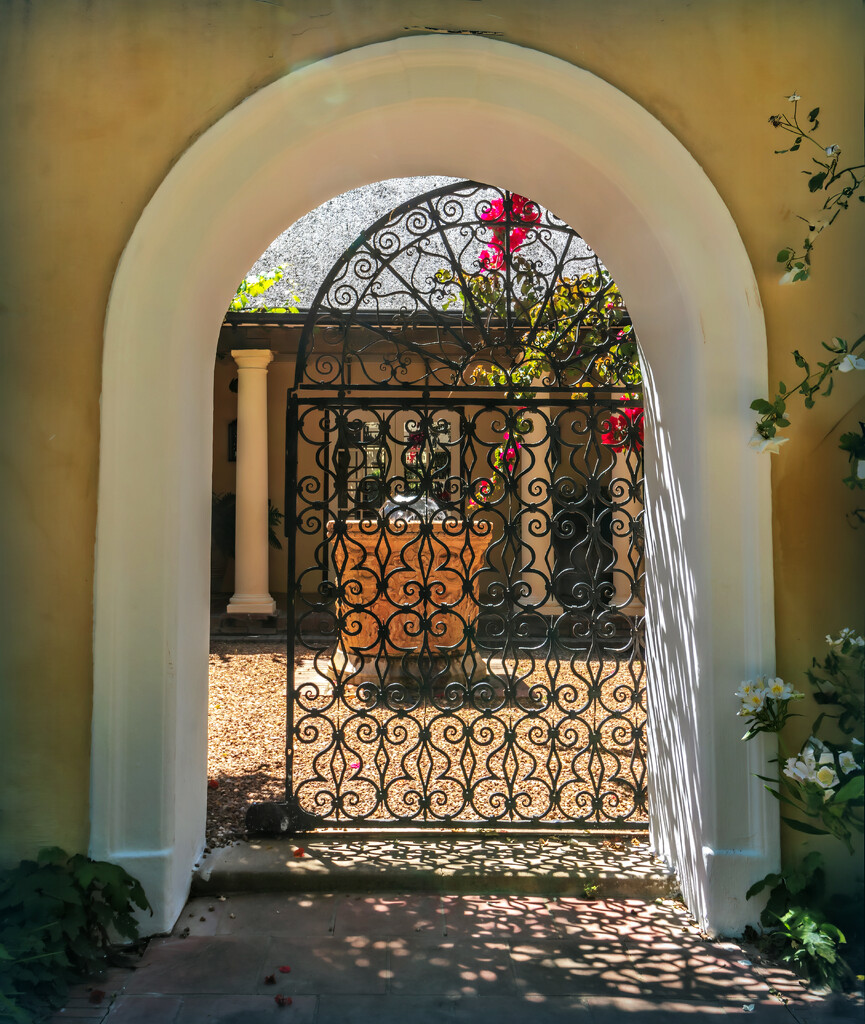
[[515, 117]]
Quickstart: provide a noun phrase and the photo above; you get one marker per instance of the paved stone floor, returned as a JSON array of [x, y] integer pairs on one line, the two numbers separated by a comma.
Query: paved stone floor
[[426, 957], [620, 865]]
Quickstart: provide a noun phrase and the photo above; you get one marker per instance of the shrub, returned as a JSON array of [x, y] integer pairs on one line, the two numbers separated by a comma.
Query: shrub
[[58, 917]]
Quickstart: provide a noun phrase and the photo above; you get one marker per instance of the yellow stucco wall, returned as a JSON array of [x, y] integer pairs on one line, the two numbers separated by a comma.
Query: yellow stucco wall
[[101, 98]]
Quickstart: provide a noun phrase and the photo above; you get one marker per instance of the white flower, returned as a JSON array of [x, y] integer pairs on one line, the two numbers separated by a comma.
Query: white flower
[[847, 761], [832, 150], [793, 97], [855, 742], [767, 444], [860, 469], [799, 770], [780, 690], [826, 777], [753, 702], [789, 277], [851, 362], [848, 635]]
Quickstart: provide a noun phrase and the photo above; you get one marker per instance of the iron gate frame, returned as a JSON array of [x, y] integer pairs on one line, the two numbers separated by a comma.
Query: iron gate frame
[[334, 389]]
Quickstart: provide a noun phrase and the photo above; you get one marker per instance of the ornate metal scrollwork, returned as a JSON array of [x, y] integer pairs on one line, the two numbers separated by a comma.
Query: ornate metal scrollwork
[[465, 554]]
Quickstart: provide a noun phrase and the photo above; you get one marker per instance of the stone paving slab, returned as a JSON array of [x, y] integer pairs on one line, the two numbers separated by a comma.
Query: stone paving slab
[[613, 865], [419, 958]]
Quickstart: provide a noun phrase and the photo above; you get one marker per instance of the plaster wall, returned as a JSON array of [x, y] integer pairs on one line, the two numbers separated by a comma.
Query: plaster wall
[[101, 99]]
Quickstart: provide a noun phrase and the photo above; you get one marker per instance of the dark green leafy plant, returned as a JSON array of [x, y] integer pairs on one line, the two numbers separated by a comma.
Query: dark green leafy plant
[[59, 916], [797, 929]]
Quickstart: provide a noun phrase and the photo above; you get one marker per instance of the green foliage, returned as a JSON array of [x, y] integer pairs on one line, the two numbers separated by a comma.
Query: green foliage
[[837, 808], [825, 781], [820, 381], [255, 285], [839, 679], [854, 445], [797, 929], [839, 185], [58, 915], [597, 343], [577, 330]]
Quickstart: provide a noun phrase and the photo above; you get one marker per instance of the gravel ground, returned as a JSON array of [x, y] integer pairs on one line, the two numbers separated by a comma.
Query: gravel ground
[[246, 732], [246, 753]]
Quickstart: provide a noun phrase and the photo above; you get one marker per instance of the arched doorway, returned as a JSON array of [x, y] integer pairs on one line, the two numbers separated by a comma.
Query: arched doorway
[[401, 108]]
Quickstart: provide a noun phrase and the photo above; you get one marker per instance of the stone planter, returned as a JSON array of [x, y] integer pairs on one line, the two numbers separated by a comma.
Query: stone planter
[[407, 587]]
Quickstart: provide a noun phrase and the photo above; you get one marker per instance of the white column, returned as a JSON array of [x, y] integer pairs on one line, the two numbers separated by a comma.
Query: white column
[[251, 584]]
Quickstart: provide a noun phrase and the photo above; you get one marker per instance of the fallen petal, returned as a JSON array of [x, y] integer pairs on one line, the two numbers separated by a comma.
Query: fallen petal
[[298, 852], [270, 979], [285, 970]]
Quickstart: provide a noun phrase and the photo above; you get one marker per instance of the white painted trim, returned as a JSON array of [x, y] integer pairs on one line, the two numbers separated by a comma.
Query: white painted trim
[[475, 108]]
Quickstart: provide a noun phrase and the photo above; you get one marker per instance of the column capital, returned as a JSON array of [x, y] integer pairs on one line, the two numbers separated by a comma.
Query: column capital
[[252, 358]]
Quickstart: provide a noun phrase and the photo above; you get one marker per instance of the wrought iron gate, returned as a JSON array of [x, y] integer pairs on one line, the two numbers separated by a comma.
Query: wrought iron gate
[[464, 465]]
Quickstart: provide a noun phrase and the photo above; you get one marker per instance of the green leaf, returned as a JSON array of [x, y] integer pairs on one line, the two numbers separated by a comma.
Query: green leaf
[[784, 255], [762, 406], [815, 182], [770, 880], [812, 116], [851, 790], [782, 387], [51, 855], [802, 826]]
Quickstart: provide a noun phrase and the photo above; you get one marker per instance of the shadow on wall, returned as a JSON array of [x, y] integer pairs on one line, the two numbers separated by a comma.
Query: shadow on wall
[[676, 792]]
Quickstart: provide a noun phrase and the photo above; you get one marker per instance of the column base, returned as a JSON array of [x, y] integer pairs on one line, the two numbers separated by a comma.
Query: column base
[[256, 604]]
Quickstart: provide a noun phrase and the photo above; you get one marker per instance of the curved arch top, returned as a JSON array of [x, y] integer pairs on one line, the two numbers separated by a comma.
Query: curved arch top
[[503, 289], [456, 106]]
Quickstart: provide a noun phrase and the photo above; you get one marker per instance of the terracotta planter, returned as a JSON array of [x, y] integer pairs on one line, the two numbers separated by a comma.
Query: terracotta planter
[[407, 587]]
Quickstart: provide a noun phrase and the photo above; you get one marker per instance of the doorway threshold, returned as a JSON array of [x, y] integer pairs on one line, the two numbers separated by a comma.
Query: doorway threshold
[[595, 866]]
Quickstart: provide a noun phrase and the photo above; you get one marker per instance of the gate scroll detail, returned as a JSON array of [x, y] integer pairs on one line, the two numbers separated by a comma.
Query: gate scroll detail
[[466, 549]]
